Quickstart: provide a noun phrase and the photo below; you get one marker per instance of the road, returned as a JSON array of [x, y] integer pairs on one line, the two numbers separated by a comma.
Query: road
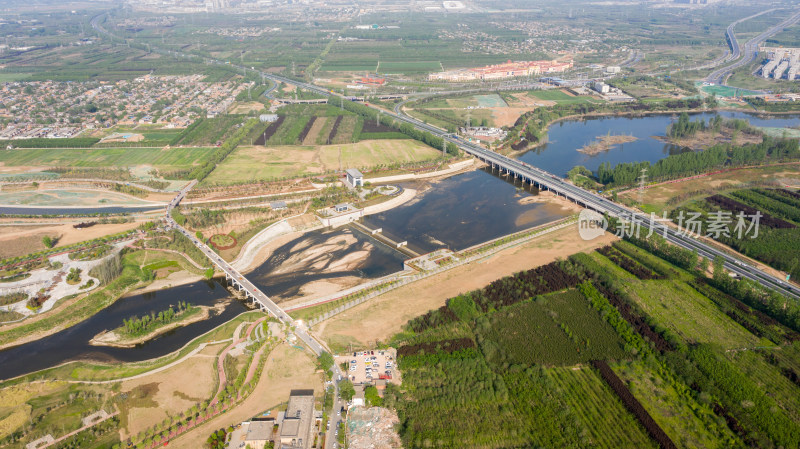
[[517, 168], [267, 304], [721, 75], [561, 186], [588, 199]]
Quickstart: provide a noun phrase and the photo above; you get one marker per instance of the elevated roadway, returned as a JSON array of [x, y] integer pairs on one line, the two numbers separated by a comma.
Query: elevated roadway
[[748, 54], [238, 280], [590, 200], [530, 174]]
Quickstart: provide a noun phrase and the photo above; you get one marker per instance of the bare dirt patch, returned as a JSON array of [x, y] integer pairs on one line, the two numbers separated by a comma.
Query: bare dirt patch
[[287, 368], [508, 116], [246, 107], [25, 239], [173, 390], [313, 133], [384, 316]]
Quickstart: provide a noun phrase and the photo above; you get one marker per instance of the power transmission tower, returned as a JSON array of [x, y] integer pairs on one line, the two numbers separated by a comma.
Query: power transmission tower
[[642, 180]]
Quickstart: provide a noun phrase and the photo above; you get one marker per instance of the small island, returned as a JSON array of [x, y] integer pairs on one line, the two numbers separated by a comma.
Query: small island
[[137, 330], [605, 143], [699, 134]]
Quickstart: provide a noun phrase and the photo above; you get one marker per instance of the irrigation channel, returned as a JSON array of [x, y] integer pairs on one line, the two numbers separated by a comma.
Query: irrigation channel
[[456, 213]]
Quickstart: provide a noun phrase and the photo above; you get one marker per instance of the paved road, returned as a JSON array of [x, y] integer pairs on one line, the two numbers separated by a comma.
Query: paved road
[[590, 199], [517, 168], [560, 186], [750, 47]]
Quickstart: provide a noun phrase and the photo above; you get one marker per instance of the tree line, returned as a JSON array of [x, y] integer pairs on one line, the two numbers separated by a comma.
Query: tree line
[[141, 325]]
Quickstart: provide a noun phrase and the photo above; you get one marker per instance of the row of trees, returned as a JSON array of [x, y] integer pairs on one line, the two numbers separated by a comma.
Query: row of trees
[[201, 171], [690, 163]]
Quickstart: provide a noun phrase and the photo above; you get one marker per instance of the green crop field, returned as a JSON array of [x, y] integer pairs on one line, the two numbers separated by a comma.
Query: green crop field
[[210, 130], [600, 411], [106, 157], [685, 419], [11, 77], [770, 378], [409, 67], [558, 329], [688, 313]]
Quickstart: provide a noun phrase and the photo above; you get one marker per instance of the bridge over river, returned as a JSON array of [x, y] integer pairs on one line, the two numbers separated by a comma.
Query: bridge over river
[[238, 281]]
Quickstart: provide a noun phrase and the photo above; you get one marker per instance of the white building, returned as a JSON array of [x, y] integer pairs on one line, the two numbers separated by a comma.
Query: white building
[[601, 87], [354, 178]]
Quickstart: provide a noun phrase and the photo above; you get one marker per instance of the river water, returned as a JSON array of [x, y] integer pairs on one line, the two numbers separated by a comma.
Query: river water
[[560, 153], [22, 210], [73, 343], [456, 212]]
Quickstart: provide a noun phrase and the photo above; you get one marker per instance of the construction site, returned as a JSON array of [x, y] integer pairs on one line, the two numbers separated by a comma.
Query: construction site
[[782, 63]]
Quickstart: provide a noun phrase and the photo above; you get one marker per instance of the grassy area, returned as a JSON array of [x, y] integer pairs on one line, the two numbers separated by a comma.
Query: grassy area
[[34, 410], [11, 77], [667, 196], [689, 314], [174, 158], [265, 163], [558, 96], [409, 67], [683, 418], [769, 378]]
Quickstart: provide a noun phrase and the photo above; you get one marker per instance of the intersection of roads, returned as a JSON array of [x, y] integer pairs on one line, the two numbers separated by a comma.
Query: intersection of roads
[[527, 173]]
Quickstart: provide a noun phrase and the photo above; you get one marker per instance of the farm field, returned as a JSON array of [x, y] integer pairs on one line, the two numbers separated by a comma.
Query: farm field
[[777, 242], [651, 320], [688, 313], [412, 67], [559, 97], [208, 131], [263, 163], [598, 408], [684, 419], [165, 159], [526, 405], [558, 329]]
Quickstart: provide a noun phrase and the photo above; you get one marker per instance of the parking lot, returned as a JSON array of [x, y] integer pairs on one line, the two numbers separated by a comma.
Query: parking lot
[[369, 366]]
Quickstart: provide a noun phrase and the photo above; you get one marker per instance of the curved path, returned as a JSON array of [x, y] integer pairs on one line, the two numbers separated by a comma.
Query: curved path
[[221, 359]]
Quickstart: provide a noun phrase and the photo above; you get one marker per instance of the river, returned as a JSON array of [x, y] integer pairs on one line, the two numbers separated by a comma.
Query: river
[[456, 212], [560, 153]]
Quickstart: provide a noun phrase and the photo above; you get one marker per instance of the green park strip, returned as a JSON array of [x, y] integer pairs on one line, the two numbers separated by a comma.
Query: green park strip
[[122, 279], [130, 275], [160, 158]]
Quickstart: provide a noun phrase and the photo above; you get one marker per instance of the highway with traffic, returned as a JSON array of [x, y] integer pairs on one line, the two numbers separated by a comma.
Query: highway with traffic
[[588, 199], [561, 186], [721, 75]]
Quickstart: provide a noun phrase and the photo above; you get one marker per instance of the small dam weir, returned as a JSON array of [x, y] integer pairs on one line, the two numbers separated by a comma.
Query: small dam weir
[[377, 234]]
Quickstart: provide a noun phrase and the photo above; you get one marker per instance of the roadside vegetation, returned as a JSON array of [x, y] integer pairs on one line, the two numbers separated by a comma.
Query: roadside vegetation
[[665, 341]]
